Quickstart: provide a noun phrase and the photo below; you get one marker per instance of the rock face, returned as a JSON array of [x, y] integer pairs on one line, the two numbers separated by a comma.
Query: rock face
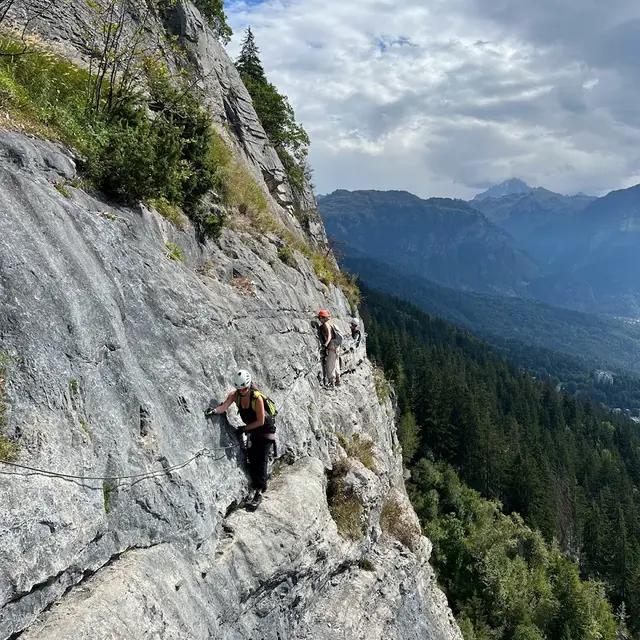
[[111, 352]]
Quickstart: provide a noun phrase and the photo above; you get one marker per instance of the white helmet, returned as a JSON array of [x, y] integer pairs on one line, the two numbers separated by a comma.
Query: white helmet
[[242, 379], [354, 321]]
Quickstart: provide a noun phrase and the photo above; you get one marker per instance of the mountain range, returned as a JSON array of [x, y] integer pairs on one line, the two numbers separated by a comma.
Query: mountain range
[[514, 263], [446, 240], [578, 251], [539, 220]]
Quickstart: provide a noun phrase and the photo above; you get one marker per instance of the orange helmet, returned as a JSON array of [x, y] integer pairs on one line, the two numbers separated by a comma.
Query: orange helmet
[[323, 313]]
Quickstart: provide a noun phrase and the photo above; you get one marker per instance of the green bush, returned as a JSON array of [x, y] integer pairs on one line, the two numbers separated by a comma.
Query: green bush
[[286, 255], [165, 157], [175, 252], [209, 221], [123, 167]]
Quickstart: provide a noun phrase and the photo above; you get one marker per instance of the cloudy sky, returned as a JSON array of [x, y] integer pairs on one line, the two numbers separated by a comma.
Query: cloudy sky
[[445, 97]]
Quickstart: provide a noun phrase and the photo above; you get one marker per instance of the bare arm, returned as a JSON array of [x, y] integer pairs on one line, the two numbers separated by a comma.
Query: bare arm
[[226, 404], [259, 421]]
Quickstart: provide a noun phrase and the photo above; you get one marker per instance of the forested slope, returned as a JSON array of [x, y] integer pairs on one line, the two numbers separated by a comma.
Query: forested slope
[[571, 469]]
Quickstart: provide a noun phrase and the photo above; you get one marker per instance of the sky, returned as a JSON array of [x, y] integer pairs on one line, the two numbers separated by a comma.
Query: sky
[[447, 97]]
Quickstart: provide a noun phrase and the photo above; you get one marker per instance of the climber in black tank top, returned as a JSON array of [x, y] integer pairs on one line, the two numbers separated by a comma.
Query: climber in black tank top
[[259, 426], [249, 405]]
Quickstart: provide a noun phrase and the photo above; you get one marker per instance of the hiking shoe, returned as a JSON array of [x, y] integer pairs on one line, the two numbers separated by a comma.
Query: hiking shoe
[[253, 504]]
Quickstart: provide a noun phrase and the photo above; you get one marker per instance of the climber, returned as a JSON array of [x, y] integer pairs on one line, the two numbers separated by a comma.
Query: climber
[[355, 333], [329, 344], [258, 414]]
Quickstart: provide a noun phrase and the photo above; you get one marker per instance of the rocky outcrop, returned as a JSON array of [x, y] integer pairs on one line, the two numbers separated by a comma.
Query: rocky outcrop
[[72, 26], [227, 98], [111, 352]]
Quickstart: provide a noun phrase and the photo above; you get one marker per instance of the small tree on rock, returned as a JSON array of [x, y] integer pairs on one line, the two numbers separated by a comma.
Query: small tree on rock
[[248, 62], [276, 115]]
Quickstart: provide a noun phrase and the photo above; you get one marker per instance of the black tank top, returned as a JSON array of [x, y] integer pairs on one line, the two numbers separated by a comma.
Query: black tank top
[[249, 415]]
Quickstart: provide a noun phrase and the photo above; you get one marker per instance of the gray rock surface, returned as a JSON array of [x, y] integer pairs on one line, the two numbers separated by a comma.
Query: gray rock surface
[[112, 352]]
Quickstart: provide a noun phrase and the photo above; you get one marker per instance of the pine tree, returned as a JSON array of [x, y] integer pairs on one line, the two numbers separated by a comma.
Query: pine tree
[[248, 62]]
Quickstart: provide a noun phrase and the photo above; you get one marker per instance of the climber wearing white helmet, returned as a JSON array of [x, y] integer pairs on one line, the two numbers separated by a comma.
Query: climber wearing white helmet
[[258, 414], [356, 334]]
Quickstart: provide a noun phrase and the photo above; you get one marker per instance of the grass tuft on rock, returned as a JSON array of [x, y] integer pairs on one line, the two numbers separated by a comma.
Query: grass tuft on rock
[[174, 252], [394, 521], [359, 448], [173, 213], [344, 506], [8, 450]]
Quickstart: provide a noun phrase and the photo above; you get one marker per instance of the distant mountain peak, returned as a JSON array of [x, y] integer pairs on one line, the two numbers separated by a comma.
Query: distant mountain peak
[[506, 188]]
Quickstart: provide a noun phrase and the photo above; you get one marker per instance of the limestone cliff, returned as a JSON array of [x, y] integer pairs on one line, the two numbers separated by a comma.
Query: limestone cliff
[[110, 352]]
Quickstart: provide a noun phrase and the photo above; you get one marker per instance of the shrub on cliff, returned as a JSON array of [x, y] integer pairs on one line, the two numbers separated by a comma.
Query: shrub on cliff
[[163, 156], [159, 146]]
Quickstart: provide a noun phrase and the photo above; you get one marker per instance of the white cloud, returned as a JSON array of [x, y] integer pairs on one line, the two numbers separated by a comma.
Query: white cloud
[[444, 97]]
